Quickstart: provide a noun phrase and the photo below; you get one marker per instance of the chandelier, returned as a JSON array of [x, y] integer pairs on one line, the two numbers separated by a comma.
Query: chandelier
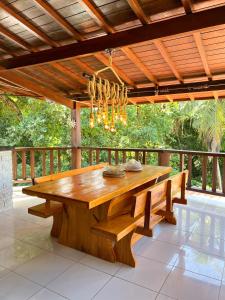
[[108, 99]]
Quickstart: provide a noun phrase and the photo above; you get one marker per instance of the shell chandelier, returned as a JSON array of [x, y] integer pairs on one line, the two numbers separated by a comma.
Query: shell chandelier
[[108, 99]]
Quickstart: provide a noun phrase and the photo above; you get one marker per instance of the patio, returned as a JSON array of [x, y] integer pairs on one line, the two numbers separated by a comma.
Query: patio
[[176, 262]]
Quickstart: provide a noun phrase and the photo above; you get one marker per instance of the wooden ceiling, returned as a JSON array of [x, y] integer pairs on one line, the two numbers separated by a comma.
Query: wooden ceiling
[[164, 50]]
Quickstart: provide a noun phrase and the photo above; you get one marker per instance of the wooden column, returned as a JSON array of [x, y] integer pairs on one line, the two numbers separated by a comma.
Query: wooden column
[[76, 137], [163, 160]]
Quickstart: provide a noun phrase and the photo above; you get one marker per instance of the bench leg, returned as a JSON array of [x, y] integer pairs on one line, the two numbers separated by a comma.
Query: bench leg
[[124, 252], [170, 218], [57, 225], [180, 201]]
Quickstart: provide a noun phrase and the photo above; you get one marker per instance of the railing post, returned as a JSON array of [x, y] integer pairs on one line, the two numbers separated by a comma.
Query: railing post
[[76, 137], [164, 160]]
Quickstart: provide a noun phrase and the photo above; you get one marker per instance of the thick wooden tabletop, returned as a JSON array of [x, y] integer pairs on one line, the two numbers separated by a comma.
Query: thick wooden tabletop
[[91, 188]]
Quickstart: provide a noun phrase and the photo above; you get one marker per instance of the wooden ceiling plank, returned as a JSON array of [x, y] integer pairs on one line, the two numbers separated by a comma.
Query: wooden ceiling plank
[[83, 66], [201, 50], [162, 49], [153, 31], [59, 19], [69, 73], [133, 57], [18, 78], [187, 4], [16, 39], [137, 9], [27, 24]]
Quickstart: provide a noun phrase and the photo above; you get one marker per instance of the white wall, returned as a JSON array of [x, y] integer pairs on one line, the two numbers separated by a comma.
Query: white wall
[[5, 180]]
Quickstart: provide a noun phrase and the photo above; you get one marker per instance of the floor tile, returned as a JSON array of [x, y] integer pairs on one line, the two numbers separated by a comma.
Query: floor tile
[[222, 292], [176, 237], [196, 261], [120, 289], [207, 244], [160, 251], [45, 294], [148, 273], [185, 285], [15, 287], [6, 241], [44, 268], [17, 254], [79, 282], [100, 264], [163, 297]]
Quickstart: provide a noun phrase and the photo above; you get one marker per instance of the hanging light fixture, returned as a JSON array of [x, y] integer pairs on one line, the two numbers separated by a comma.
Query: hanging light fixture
[[110, 98]]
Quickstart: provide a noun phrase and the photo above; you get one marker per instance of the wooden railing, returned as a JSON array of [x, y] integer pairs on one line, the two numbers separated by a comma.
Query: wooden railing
[[206, 169]]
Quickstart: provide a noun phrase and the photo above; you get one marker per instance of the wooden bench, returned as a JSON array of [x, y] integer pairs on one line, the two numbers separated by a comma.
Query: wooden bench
[[52, 208], [148, 207]]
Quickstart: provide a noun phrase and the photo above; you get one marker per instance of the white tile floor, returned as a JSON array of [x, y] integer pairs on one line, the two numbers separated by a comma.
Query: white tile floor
[[184, 262]]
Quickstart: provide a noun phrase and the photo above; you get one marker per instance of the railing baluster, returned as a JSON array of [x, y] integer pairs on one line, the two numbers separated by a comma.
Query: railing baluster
[[137, 155], [189, 170], [109, 157], [124, 156], [24, 169], [204, 172], [214, 174], [116, 157], [181, 162], [90, 157], [97, 156], [32, 164], [144, 157], [59, 160], [14, 164], [51, 161], [43, 162]]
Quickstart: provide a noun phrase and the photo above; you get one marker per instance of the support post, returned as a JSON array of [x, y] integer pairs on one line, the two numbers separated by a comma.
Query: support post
[[163, 160], [76, 137]]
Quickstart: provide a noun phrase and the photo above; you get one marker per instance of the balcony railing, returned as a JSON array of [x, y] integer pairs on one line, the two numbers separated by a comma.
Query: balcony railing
[[206, 169]]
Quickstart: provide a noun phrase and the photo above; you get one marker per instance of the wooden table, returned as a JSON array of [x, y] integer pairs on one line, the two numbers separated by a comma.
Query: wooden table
[[89, 198]]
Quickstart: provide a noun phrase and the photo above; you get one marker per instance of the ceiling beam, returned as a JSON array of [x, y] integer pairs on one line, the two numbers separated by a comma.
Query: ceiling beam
[[22, 80], [168, 90], [191, 97], [203, 55], [215, 95], [187, 6], [169, 98], [59, 19], [181, 24], [137, 9], [27, 24], [69, 73], [163, 51]]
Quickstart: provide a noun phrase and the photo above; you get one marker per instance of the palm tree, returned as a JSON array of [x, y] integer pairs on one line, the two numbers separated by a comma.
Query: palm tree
[[208, 118]]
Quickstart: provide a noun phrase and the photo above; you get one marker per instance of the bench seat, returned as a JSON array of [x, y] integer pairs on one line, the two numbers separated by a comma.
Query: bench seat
[[46, 210]]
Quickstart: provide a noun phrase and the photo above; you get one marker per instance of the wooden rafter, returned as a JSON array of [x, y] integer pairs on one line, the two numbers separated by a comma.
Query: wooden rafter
[[69, 72], [83, 66], [152, 31], [47, 8], [27, 24], [201, 50], [91, 8], [162, 49], [16, 39], [187, 4], [22, 80], [97, 15], [101, 57], [137, 9]]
